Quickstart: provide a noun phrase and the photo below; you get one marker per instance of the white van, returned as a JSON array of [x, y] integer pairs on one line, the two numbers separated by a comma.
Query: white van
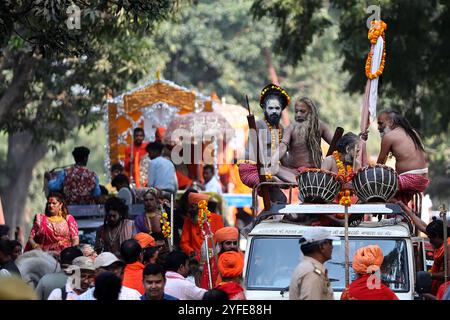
[[273, 250]]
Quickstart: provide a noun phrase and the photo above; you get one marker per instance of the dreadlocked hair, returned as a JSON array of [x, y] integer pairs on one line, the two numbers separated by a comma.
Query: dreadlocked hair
[[399, 121], [313, 133]]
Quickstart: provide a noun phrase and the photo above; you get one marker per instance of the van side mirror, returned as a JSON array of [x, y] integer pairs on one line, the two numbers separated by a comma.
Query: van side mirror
[[423, 282]]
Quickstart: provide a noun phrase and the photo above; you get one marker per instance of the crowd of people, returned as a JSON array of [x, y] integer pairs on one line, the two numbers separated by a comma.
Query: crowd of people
[[133, 259]]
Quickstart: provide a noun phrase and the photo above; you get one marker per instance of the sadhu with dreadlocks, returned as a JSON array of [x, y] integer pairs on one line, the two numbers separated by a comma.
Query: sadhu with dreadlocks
[[300, 146], [399, 138]]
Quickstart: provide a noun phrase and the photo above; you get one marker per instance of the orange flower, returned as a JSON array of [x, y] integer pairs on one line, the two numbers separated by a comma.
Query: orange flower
[[377, 30]]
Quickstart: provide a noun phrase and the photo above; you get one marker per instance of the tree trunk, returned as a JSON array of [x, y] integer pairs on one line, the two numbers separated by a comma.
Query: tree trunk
[[23, 155]]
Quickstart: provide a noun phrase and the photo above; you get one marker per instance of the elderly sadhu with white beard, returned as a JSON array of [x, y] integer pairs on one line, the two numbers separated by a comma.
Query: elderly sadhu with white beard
[[300, 146]]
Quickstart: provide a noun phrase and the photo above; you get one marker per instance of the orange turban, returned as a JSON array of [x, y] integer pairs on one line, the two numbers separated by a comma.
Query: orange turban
[[231, 264], [145, 240], [195, 198], [227, 233], [365, 257]]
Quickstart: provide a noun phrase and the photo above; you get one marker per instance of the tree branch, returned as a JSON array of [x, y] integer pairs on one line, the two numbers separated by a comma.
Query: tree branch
[[22, 75]]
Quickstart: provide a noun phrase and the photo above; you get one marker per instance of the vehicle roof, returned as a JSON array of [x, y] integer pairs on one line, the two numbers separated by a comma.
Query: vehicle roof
[[365, 229]]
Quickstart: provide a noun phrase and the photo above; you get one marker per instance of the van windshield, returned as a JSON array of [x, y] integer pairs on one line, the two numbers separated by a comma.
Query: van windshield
[[272, 261]]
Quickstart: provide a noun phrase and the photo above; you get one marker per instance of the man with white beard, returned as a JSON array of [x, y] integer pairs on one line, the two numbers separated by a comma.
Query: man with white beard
[[399, 138], [300, 146]]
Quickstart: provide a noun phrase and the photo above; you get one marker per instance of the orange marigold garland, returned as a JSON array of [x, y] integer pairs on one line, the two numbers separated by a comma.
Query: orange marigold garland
[[345, 174], [202, 213], [378, 29], [166, 228]]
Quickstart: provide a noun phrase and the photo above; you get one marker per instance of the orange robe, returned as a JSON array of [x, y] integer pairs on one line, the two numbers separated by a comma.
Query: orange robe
[[132, 276], [192, 236], [358, 290], [138, 153], [438, 266]]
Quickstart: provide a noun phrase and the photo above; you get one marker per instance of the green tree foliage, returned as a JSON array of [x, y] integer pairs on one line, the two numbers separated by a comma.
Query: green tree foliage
[[217, 47], [51, 74]]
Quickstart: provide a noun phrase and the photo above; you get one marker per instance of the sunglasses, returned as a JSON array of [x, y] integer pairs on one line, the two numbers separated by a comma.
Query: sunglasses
[[229, 242]]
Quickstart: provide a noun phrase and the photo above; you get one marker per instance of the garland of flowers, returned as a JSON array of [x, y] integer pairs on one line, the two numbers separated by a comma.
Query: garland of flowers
[[345, 174], [273, 144], [203, 212], [166, 228], [277, 88], [378, 29]]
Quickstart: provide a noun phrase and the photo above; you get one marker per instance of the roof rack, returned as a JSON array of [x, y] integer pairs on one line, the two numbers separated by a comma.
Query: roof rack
[[329, 209]]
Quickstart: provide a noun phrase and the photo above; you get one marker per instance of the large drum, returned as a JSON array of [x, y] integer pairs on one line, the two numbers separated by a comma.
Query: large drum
[[375, 183], [317, 186]]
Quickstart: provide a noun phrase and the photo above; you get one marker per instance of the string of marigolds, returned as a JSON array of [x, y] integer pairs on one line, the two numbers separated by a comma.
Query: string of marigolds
[[345, 173], [202, 213], [273, 137], [166, 228], [378, 29]]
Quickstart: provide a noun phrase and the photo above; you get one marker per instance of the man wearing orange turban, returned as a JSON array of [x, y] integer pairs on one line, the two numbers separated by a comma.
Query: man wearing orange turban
[[192, 237], [145, 240], [231, 267], [227, 240], [366, 263]]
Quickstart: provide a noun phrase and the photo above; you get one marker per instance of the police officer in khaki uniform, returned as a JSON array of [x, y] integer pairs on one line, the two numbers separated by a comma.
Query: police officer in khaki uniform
[[310, 278]]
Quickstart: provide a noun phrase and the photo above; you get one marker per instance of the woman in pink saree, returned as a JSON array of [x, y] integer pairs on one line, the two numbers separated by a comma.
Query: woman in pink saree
[[55, 229]]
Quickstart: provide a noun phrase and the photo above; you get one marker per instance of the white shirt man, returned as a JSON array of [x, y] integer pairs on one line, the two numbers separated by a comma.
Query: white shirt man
[[176, 283], [107, 261], [211, 182]]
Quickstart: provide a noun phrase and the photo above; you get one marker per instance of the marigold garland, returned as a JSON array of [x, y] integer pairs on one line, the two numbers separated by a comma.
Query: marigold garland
[[378, 29], [273, 144], [345, 174], [166, 228], [203, 212], [345, 198]]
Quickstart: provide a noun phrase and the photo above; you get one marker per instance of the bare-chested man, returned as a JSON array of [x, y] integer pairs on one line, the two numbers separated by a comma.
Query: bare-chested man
[[300, 146], [273, 100], [405, 144]]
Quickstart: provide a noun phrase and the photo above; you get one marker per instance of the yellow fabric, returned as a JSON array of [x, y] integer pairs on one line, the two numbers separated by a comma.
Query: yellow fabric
[[14, 288]]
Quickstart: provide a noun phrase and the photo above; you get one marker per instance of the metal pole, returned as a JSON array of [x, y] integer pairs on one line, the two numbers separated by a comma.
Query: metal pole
[[347, 250], [132, 180], [207, 259], [444, 217], [171, 221], [213, 245]]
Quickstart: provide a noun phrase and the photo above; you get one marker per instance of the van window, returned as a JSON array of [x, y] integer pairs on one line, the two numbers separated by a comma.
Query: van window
[[272, 261]]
